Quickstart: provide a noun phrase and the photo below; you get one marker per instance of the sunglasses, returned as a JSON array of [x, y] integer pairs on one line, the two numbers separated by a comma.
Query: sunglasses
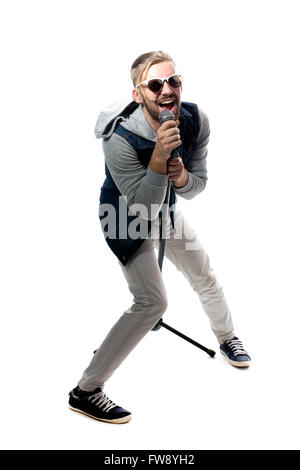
[[156, 84]]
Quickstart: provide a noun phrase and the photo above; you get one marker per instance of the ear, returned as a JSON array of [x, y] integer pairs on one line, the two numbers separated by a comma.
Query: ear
[[136, 96]]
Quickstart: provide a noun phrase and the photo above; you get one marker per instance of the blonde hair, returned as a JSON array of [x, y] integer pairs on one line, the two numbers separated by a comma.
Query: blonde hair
[[142, 64]]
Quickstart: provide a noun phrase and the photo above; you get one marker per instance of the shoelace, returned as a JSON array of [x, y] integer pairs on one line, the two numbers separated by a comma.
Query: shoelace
[[102, 401], [236, 347]]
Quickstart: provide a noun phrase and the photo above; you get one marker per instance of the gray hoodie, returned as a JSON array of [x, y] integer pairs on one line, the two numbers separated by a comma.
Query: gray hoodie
[[139, 184]]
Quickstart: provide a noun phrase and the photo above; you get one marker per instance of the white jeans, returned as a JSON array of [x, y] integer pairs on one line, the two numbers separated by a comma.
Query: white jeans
[[150, 298]]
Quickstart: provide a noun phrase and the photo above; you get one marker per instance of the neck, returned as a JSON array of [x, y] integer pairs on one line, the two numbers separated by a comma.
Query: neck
[[153, 122]]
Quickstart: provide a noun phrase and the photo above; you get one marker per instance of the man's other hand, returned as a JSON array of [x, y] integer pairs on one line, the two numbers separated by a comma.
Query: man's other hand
[[177, 172]]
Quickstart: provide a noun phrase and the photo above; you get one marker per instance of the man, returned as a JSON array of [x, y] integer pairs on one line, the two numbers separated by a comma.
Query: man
[[138, 151]]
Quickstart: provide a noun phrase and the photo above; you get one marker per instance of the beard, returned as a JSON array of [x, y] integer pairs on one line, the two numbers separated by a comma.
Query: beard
[[154, 110]]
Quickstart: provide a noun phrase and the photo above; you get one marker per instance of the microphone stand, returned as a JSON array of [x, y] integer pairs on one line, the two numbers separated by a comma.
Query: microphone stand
[[161, 252]]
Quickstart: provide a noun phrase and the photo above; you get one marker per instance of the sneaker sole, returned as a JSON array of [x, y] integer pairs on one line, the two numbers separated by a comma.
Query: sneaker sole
[[236, 364], [125, 419]]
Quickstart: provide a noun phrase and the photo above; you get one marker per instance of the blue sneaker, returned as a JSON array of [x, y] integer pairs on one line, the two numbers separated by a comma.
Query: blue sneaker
[[96, 405], [234, 350]]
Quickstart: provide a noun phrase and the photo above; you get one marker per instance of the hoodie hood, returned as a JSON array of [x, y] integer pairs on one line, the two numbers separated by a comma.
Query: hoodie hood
[[127, 112]]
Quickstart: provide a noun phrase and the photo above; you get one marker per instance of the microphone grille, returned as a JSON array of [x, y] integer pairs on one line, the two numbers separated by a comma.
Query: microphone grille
[[166, 115]]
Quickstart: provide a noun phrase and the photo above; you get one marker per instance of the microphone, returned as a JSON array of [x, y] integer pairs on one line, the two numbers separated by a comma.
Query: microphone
[[167, 115]]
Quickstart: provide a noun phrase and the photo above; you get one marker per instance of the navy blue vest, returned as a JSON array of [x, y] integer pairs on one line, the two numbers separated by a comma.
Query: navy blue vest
[[122, 247]]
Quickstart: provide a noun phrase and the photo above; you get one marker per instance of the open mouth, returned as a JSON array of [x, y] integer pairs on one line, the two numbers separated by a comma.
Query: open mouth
[[168, 104]]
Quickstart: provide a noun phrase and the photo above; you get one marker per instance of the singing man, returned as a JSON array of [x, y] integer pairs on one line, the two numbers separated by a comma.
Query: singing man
[[139, 164]]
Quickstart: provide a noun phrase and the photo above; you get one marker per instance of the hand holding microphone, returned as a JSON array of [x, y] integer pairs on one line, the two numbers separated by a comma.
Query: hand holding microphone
[[175, 167], [168, 139], [168, 136]]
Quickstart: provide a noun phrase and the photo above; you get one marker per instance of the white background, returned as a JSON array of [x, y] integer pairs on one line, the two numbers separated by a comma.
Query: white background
[[62, 289]]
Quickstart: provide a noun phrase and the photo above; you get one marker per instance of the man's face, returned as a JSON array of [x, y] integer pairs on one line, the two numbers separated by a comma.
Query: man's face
[[154, 102]]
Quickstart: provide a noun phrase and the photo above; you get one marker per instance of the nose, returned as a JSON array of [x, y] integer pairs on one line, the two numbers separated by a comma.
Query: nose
[[166, 89]]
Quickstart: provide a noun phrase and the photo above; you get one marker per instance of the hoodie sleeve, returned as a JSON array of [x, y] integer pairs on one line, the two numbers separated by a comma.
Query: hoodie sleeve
[[196, 167], [140, 185]]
